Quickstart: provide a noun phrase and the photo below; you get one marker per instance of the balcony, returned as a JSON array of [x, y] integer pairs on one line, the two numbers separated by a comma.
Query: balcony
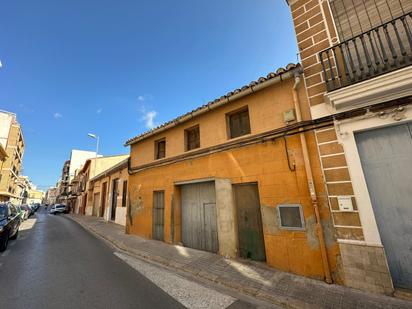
[[380, 50]]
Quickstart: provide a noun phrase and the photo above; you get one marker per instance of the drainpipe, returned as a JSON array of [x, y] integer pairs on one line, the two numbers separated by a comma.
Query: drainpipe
[[311, 185]]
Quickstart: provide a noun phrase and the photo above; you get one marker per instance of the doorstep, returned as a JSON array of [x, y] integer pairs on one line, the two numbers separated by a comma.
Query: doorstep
[[248, 277]]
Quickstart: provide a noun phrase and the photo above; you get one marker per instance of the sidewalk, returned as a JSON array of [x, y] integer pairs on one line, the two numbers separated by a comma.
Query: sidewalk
[[253, 279]]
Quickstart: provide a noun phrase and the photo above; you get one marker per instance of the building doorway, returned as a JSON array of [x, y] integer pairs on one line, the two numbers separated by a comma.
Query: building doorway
[[199, 222], [115, 193], [103, 203], [249, 221], [158, 215], [386, 158]]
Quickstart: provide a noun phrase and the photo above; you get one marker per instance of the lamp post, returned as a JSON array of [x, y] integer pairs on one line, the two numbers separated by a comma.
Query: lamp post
[[97, 141]]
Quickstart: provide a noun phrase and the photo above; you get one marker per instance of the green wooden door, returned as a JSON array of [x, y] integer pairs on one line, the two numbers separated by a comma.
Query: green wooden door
[[249, 222]]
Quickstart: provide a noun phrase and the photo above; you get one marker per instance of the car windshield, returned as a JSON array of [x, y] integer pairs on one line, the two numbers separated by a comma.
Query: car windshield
[[3, 212], [60, 206]]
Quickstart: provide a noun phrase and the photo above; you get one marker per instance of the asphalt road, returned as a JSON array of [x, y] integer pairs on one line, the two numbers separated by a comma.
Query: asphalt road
[[55, 263]]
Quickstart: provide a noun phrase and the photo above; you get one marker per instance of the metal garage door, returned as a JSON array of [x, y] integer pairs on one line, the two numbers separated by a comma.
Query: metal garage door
[[386, 156], [199, 224]]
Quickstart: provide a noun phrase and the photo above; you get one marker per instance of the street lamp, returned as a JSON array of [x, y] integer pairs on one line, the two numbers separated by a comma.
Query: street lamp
[[97, 141]]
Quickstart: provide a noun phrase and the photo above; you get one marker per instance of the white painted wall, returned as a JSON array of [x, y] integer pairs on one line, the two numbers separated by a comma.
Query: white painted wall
[[5, 123], [77, 159], [346, 137]]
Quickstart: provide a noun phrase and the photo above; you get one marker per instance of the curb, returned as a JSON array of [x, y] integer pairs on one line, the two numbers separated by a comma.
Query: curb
[[237, 287]]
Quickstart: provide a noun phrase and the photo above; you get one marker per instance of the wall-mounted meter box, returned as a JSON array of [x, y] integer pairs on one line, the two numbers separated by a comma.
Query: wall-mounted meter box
[[345, 203], [289, 115]]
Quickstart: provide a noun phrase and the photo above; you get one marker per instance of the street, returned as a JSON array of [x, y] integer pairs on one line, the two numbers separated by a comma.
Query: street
[[55, 263]]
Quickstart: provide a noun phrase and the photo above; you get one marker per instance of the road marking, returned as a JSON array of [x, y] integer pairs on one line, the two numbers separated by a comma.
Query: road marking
[[188, 293]]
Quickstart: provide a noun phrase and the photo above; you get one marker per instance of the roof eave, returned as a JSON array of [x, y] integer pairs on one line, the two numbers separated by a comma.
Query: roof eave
[[273, 78]]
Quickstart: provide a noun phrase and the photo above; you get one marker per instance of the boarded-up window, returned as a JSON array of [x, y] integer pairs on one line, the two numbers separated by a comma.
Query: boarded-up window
[[239, 123], [160, 149], [192, 136], [124, 193]]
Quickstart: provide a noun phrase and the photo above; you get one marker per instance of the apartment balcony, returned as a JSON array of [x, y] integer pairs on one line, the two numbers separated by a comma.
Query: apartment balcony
[[378, 51]]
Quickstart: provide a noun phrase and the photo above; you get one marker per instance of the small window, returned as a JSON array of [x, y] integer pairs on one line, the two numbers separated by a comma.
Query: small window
[[124, 193], [160, 149], [239, 123], [291, 217], [192, 137]]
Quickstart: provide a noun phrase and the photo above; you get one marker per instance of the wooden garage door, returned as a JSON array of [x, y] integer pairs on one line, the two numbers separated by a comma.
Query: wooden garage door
[[386, 157], [199, 223]]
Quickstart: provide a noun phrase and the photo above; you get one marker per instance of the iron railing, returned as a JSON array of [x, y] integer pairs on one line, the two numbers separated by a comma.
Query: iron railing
[[380, 50]]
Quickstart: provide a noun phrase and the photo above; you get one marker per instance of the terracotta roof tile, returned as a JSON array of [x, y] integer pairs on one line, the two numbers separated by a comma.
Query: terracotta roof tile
[[262, 79]]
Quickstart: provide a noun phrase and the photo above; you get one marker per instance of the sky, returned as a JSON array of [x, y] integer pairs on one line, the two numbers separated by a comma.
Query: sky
[[119, 68]]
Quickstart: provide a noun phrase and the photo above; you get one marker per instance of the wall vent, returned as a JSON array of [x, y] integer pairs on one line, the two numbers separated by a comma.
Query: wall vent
[[291, 217]]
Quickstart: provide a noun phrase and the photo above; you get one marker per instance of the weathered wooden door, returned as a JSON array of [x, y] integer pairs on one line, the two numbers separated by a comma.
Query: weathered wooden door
[[115, 193], [158, 215], [249, 222], [103, 203], [199, 222], [96, 199], [386, 157]]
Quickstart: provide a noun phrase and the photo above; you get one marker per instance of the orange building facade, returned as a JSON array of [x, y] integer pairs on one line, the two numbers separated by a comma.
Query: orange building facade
[[240, 177]]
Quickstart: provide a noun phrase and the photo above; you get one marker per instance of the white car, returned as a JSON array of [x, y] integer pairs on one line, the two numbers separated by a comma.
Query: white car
[[58, 208]]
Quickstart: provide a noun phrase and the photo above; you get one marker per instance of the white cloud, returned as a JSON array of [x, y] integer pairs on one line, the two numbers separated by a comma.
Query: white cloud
[[149, 119], [141, 98], [99, 111], [57, 115]]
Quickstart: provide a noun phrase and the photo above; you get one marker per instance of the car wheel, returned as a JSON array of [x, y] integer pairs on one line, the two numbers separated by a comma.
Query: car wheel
[[4, 242], [54, 213], [15, 235]]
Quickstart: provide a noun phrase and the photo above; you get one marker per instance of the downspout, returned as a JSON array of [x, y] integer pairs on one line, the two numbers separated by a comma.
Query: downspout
[[311, 185]]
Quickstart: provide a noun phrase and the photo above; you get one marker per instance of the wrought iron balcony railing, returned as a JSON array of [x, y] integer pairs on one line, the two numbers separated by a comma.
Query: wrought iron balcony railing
[[380, 50]]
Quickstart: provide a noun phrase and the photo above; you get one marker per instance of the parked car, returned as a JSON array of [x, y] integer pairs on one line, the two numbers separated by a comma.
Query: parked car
[[9, 224], [21, 212], [58, 208], [27, 211], [31, 209]]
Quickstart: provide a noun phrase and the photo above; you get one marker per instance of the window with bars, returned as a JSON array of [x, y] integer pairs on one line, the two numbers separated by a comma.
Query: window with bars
[[124, 193], [239, 123], [192, 137], [160, 149], [353, 17]]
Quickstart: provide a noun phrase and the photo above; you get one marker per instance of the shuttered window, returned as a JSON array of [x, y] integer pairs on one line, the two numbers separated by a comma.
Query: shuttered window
[[160, 149], [192, 136], [124, 193], [355, 17], [239, 123]]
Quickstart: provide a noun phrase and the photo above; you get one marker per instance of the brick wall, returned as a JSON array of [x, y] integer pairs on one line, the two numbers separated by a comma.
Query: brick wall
[[315, 32], [364, 267]]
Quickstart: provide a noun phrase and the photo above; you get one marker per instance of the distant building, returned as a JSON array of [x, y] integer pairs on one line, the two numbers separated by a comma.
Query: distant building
[[108, 192], [51, 196], [35, 196], [11, 156], [91, 168], [77, 160]]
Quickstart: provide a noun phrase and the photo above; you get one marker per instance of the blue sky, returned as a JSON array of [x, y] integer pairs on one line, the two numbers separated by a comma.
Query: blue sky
[[115, 68]]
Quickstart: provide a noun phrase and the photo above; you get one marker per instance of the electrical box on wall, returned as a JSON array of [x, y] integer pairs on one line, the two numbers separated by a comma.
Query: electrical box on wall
[[289, 115], [345, 203]]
